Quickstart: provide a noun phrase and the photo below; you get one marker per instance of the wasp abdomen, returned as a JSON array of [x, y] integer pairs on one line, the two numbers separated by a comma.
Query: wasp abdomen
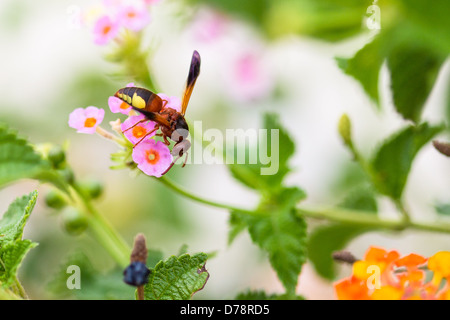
[[140, 98]]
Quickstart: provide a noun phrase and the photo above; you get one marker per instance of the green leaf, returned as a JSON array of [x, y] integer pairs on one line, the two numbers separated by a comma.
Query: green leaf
[[177, 278], [430, 21], [266, 177], [365, 67], [18, 160], [262, 295], [360, 198], [443, 209], [237, 225], [413, 72], [393, 160], [282, 234], [11, 256], [325, 240], [14, 219]]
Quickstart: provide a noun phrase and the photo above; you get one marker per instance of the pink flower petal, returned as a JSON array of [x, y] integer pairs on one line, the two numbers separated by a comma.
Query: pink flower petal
[[86, 120], [117, 105], [104, 30], [134, 18], [152, 157], [135, 134], [172, 102]]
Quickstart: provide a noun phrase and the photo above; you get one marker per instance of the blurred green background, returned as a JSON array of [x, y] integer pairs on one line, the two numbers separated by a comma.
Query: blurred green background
[[49, 67]]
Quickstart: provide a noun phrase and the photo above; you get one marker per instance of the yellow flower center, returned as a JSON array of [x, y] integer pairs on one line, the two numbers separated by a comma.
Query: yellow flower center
[[152, 156], [90, 122], [139, 132]]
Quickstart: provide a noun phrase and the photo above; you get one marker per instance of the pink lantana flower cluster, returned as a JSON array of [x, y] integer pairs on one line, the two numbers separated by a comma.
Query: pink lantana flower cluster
[[115, 15], [151, 156], [244, 70]]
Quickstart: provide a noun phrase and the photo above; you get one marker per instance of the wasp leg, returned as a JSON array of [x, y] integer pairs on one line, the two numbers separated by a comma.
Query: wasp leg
[[165, 102], [185, 159], [148, 133], [171, 165], [167, 142], [134, 125]]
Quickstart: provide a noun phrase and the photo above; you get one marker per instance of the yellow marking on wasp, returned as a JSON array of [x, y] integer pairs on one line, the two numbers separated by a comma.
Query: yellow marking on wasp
[[138, 102], [120, 95], [128, 98]]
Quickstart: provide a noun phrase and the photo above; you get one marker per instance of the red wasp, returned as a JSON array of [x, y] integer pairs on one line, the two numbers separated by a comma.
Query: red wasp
[[171, 122]]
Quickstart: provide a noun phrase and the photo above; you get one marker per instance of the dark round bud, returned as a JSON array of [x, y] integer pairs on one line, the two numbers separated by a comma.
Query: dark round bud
[[92, 188], [136, 274], [55, 200], [74, 221], [56, 156], [67, 174]]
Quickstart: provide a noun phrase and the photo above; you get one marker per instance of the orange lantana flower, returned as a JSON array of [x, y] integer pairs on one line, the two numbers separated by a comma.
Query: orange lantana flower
[[384, 275]]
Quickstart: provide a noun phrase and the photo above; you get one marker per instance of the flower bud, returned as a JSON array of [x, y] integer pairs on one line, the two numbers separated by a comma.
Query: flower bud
[[345, 130], [74, 221], [56, 156], [92, 188], [55, 200]]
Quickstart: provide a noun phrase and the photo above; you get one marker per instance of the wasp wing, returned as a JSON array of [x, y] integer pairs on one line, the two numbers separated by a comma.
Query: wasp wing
[[194, 72], [153, 116]]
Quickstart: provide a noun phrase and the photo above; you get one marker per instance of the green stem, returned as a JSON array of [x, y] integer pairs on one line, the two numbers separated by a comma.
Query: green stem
[[6, 294], [20, 290], [102, 230], [367, 219], [170, 184], [361, 218]]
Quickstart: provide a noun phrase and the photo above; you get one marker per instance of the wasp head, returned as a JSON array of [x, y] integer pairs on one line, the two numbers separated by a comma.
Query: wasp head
[[181, 130]]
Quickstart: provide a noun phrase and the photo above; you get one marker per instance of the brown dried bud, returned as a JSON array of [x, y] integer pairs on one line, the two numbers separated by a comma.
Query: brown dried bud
[[442, 147], [139, 252], [344, 256]]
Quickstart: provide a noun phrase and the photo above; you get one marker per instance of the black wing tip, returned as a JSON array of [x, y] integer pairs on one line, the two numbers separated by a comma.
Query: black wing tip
[[194, 70], [196, 56]]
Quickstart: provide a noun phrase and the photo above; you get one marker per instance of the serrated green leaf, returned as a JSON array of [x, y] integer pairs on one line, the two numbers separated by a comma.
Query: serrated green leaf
[[258, 176], [11, 256], [177, 278], [365, 67], [413, 73], [262, 295], [282, 234], [18, 160], [15, 218], [393, 160]]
